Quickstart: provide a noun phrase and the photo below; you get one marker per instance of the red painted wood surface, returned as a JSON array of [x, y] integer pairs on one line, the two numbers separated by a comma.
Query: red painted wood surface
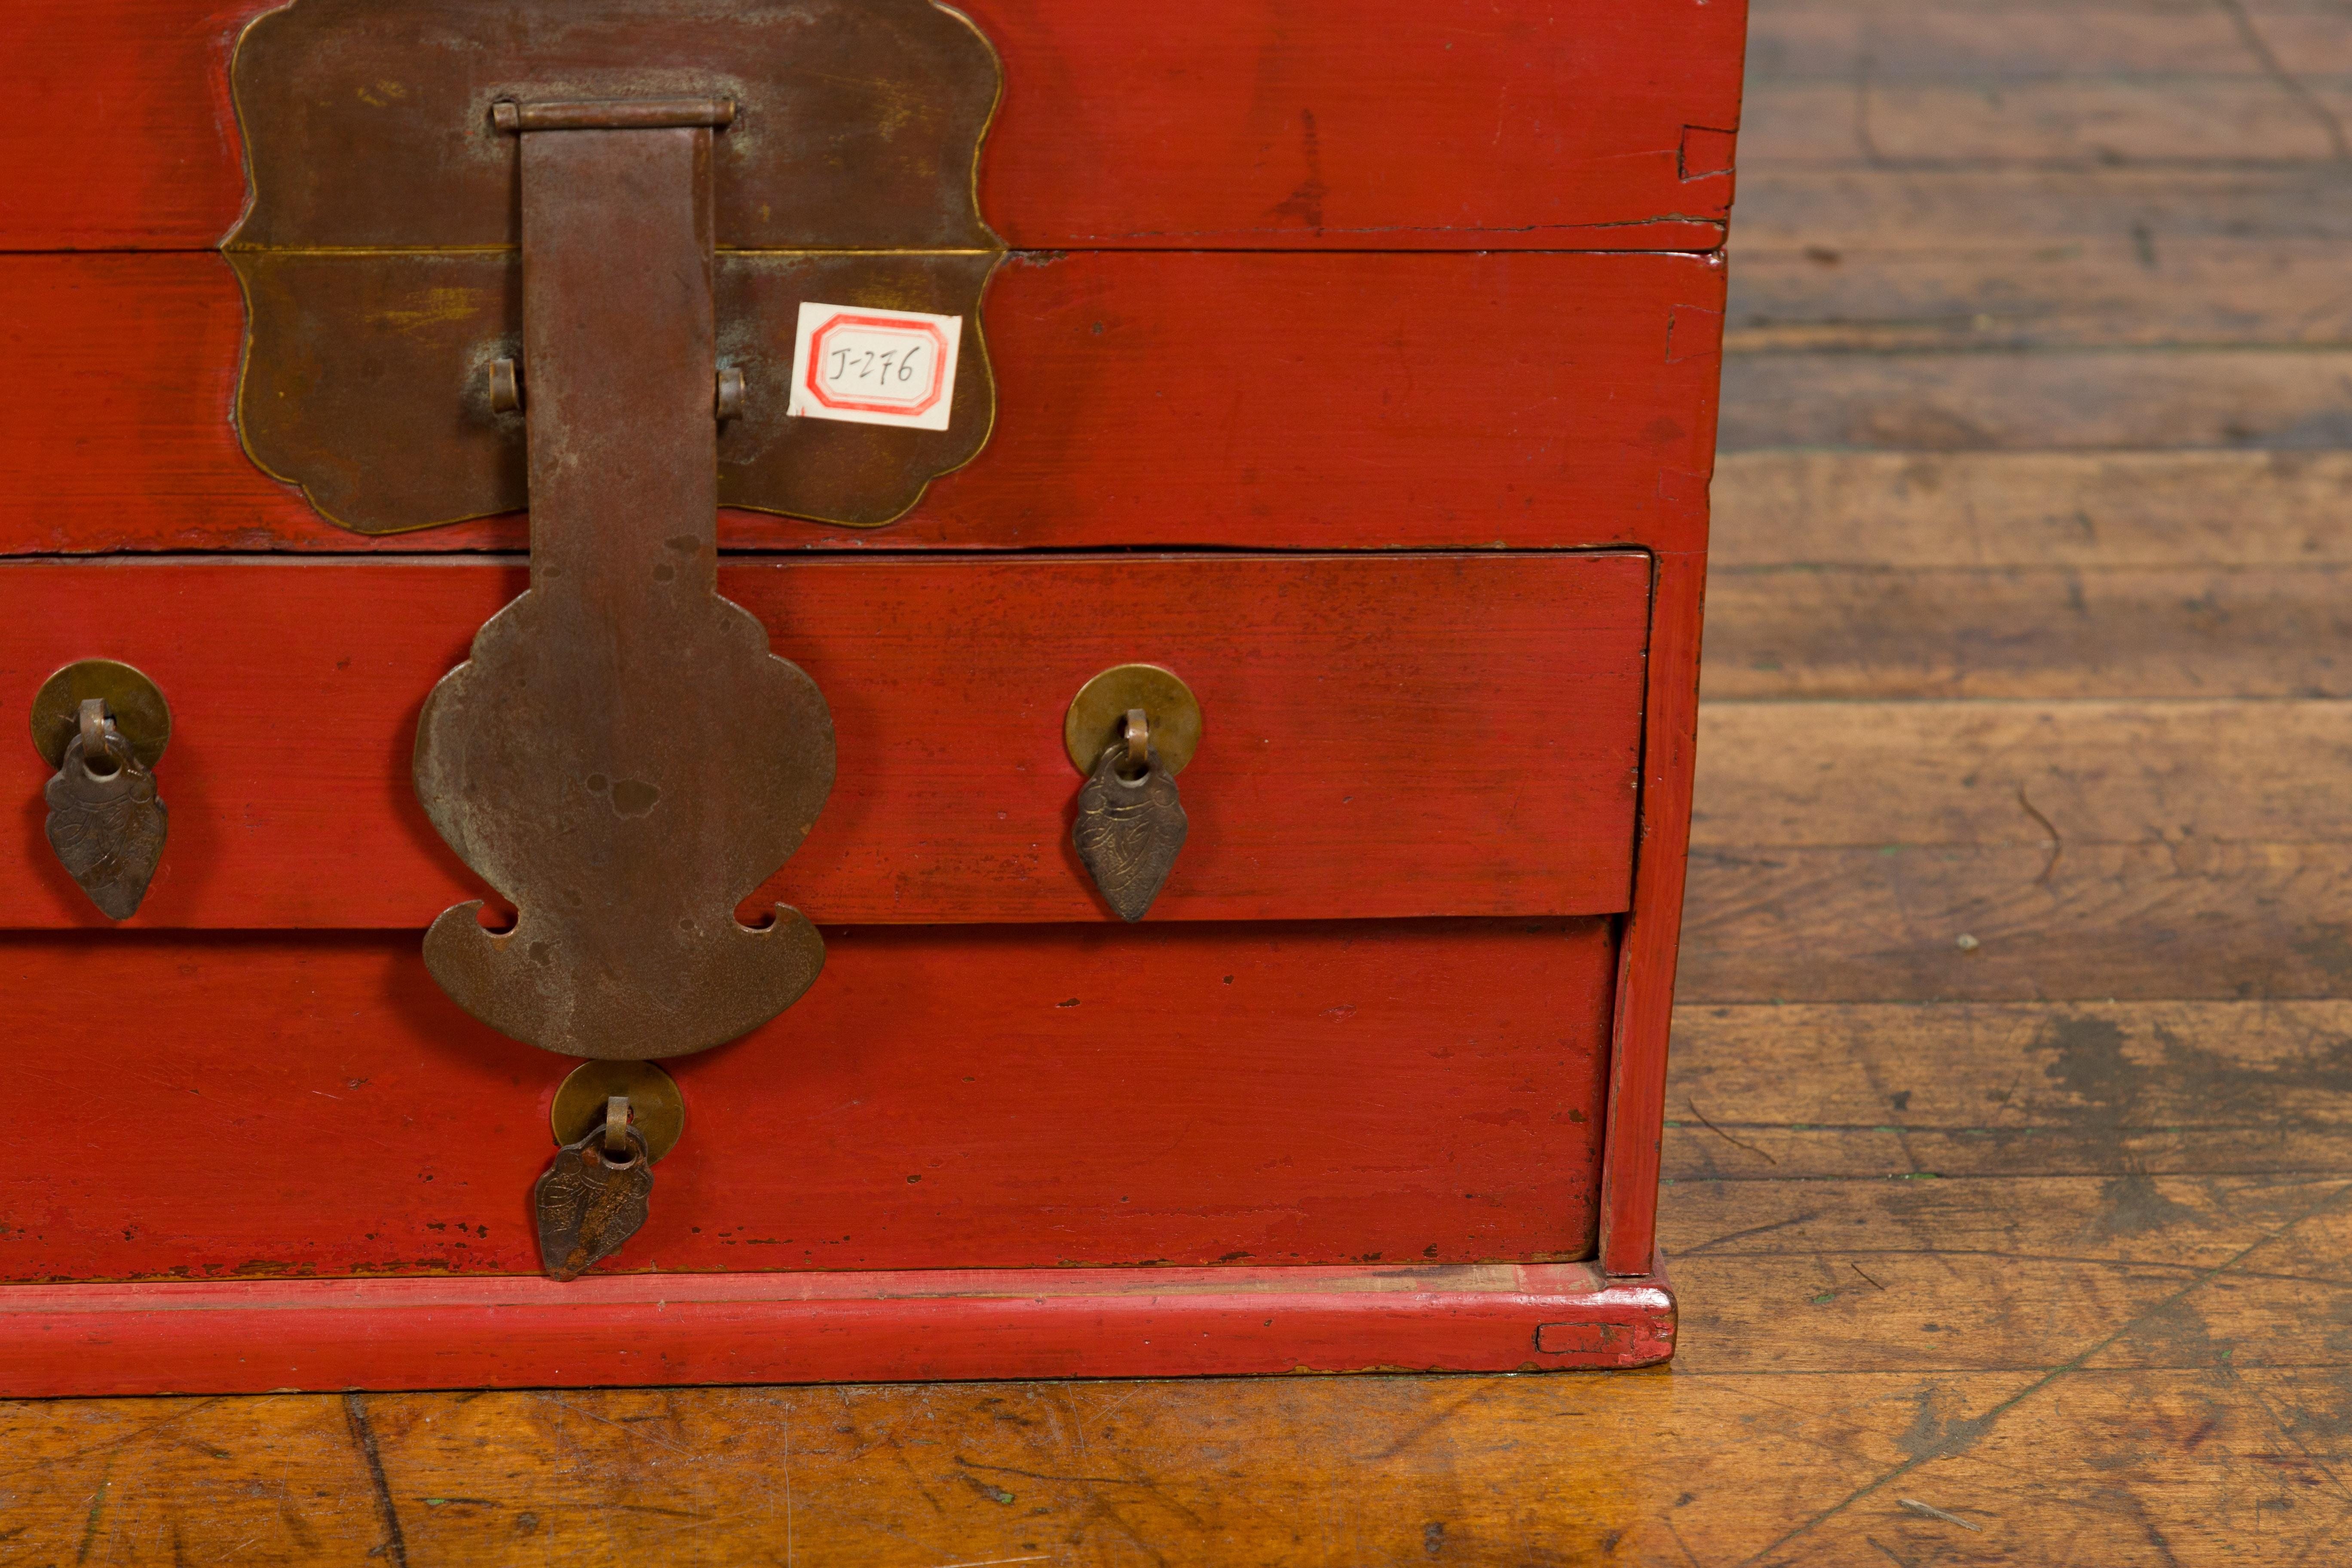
[[255, 1336], [1646, 985], [1283, 401], [944, 1097], [1413, 1092], [1386, 735], [1586, 124]]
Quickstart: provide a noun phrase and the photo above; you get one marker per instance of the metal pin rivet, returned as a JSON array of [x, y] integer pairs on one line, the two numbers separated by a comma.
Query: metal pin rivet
[[506, 387]]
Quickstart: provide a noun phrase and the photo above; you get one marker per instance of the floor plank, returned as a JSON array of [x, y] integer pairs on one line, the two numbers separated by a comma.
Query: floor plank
[[2108, 1468], [2078, 122], [1886, 510], [2269, 396], [1472, 1469], [2056, 775], [2126, 289], [1974, 39], [2119, 1090], [2159, 921], [2026, 633], [1902, 259]]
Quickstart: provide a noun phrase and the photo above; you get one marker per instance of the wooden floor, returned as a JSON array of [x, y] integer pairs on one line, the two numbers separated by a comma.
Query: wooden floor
[[2011, 1158]]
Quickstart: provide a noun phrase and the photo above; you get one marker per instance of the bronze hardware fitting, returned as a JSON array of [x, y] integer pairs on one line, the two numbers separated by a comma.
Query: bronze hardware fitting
[[622, 756], [381, 256], [1096, 715], [507, 393], [595, 1194], [654, 1103], [1130, 824], [103, 725], [563, 265]]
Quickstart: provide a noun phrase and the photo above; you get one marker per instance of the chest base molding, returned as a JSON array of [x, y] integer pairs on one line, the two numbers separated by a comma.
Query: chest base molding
[[258, 1336]]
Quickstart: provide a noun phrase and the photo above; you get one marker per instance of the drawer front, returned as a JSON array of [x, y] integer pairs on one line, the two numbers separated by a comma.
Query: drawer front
[[1200, 399], [945, 1097], [1385, 735]]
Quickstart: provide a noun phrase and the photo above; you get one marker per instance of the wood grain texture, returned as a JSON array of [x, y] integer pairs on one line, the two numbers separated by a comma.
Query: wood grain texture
[[1857, 1258], [2055, 774], [1651, 935], [1889, 258], [2026, 633], [1532, 401], [2123, 1091], [2152, 920], [2088, 511], [2266, 396], [915, 1478], [941, 1098], [2204, 119], [1993, 42], [1320, 125], [948, 683]]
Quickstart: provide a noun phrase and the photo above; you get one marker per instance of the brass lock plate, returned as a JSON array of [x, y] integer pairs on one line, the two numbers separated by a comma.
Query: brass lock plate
[[657, 1110], [381, 255], [1097, 714], [132, 701]]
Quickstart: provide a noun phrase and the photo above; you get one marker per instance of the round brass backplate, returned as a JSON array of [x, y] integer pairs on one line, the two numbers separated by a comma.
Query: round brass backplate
[[139, 712], [656, 1109], [1101, 704]]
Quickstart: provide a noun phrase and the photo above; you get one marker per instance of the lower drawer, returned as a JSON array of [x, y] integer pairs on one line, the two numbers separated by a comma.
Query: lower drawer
[[947, 1097]]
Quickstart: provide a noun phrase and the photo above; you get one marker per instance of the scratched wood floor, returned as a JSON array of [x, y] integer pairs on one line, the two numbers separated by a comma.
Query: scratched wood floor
[[2011, 1154]]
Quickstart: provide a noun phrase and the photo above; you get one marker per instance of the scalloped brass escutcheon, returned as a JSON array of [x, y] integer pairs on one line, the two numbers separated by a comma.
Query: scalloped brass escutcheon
[[380, 257]]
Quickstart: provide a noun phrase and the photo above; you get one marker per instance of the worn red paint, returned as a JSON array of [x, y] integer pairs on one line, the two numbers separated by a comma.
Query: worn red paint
[[1369, 124], [1380, 1143], [1249, 400], [810, 1328], [1266, 1093], [1343, 773]]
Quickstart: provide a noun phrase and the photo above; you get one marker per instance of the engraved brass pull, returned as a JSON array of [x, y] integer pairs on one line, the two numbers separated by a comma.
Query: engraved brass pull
[[1130, 823], [594, 1197], [622, 756], [102, 725], [612, 1120]]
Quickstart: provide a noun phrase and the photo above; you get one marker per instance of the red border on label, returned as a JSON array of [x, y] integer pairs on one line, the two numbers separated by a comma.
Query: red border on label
[[888, 323]]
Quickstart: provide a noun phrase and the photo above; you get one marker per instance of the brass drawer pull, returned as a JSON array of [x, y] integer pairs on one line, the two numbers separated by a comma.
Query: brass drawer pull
[[1129, 730], [103, 725]]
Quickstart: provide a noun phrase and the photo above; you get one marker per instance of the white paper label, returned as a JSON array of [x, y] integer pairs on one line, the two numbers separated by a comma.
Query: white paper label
[[871, 366]]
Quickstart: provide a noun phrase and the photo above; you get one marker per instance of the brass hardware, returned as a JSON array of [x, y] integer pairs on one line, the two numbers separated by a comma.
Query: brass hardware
[[102, 725], [622, 756], [381, 251], [613, 114], [584, 1095], [506, 390], [1131, 825], [1096, 715], [506, 387], [133, 701], [594, 1194]]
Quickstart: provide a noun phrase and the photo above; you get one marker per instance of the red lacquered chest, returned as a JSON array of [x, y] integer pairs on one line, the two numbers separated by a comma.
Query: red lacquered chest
[[1039, 659]]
